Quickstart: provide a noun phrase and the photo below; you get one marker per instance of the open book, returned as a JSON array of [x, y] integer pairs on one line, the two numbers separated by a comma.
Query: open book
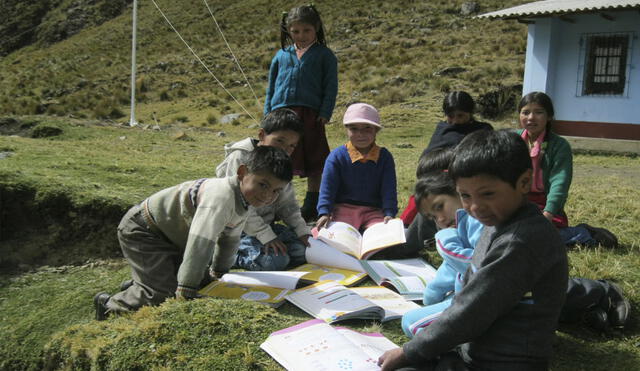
[[408, 276], [332, 302], [347, 239], [328, 264], [317, 346], [264, 287]]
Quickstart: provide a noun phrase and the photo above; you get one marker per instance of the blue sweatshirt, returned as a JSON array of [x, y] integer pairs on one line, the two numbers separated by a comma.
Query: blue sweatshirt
[[359, 183], [311, 81]]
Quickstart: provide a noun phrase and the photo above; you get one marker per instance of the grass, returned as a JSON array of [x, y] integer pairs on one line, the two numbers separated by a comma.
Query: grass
[[62, 196], [47, 312]]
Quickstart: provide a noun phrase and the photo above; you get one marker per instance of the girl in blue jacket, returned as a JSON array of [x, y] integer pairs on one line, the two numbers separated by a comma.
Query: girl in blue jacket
[[304, 77]]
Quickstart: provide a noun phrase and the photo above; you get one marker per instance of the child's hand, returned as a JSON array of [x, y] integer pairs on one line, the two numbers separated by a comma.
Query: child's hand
[[387, 218], [278, 247], [393, 359], [322, 221], [548, 215], [305, 239], [322, 120]]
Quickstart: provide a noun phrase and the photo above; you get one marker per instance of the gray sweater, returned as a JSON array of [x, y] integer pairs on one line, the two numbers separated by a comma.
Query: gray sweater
[[506, 314], [285, 207]]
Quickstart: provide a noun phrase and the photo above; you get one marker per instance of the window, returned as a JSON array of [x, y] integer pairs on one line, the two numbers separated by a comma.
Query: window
[[605, 63]]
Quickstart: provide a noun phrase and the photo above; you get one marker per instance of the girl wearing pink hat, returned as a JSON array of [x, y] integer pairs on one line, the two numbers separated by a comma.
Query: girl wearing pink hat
[[359, 178]]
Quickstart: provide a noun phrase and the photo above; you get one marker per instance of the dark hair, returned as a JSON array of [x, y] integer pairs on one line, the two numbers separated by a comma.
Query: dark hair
[[435, 160], [282, 119], [458, 101], [501, 154], [272, 160], [434, 183], [541, 99], [303, 14]]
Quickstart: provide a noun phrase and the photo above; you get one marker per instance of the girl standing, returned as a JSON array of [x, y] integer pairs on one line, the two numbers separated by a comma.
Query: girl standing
[[304, 77]]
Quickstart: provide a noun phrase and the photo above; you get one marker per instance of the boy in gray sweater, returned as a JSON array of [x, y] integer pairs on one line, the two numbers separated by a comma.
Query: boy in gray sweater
[[505, 316], [171, 237], [266, 245]]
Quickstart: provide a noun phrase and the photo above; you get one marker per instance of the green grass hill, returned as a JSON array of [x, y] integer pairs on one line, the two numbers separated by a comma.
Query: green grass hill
[[70, 166]]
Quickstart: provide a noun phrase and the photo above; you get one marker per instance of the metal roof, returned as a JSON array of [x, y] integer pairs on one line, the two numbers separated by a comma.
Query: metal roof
[[560, 7]]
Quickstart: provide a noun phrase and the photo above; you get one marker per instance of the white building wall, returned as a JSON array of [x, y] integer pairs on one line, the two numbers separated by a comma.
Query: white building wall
[[553, 60]]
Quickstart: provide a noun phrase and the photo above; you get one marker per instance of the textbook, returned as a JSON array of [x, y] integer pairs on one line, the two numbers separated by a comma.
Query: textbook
[[317, 346], [264, 287], [332, 302], [347, 239], [407, 276], [328, 264]]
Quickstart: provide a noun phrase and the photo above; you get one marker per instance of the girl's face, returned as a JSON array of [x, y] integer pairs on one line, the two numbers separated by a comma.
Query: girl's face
[[362, 136], [534, 118], [303, 34], [441, 208], [458, 117]]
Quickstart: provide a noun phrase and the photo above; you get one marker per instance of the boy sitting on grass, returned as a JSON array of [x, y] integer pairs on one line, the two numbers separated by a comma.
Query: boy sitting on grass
[[171, 237], [506, 313], [281, 128]]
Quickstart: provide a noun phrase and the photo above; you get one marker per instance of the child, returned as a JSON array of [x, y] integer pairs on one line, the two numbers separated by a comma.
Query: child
[[458, 108], [505, 315], [600, 303], [552, 171], [359, 178], [171, 236], [304, 77], [281, 128]]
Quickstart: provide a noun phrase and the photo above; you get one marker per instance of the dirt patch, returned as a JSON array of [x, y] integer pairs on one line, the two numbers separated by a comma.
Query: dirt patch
[[50, 230], [30, 129]]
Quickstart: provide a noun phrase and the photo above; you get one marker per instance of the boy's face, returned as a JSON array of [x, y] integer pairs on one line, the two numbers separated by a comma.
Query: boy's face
[[286, 140], [491, 200], [458, 117], [303, 34], [441, 208], [259, 189], [362, 136]]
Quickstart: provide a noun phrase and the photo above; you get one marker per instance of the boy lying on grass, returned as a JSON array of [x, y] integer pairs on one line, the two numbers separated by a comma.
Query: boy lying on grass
[[171, 237]]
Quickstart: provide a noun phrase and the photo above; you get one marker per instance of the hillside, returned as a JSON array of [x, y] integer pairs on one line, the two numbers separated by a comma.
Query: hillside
[[388, 52], [70, 166]]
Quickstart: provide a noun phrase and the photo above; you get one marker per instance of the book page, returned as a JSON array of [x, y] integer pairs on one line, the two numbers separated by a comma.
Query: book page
[[280, 279], [318, 273], [330, 302], [317, 346], [342, 236], [382, 235], [267, 295], [373, 344], [379, 269], [394, 304], [322, 254]]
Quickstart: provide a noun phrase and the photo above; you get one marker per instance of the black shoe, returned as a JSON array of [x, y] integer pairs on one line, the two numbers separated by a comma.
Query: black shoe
[[603, 236], [619, 307], [126, 284], [597, 319], [100, 304]]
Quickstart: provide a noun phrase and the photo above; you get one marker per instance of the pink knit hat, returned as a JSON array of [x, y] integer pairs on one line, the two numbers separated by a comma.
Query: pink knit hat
[[362, 113]]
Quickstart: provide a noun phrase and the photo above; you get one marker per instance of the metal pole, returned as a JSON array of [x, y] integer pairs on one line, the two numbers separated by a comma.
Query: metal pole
[[132, 121]]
